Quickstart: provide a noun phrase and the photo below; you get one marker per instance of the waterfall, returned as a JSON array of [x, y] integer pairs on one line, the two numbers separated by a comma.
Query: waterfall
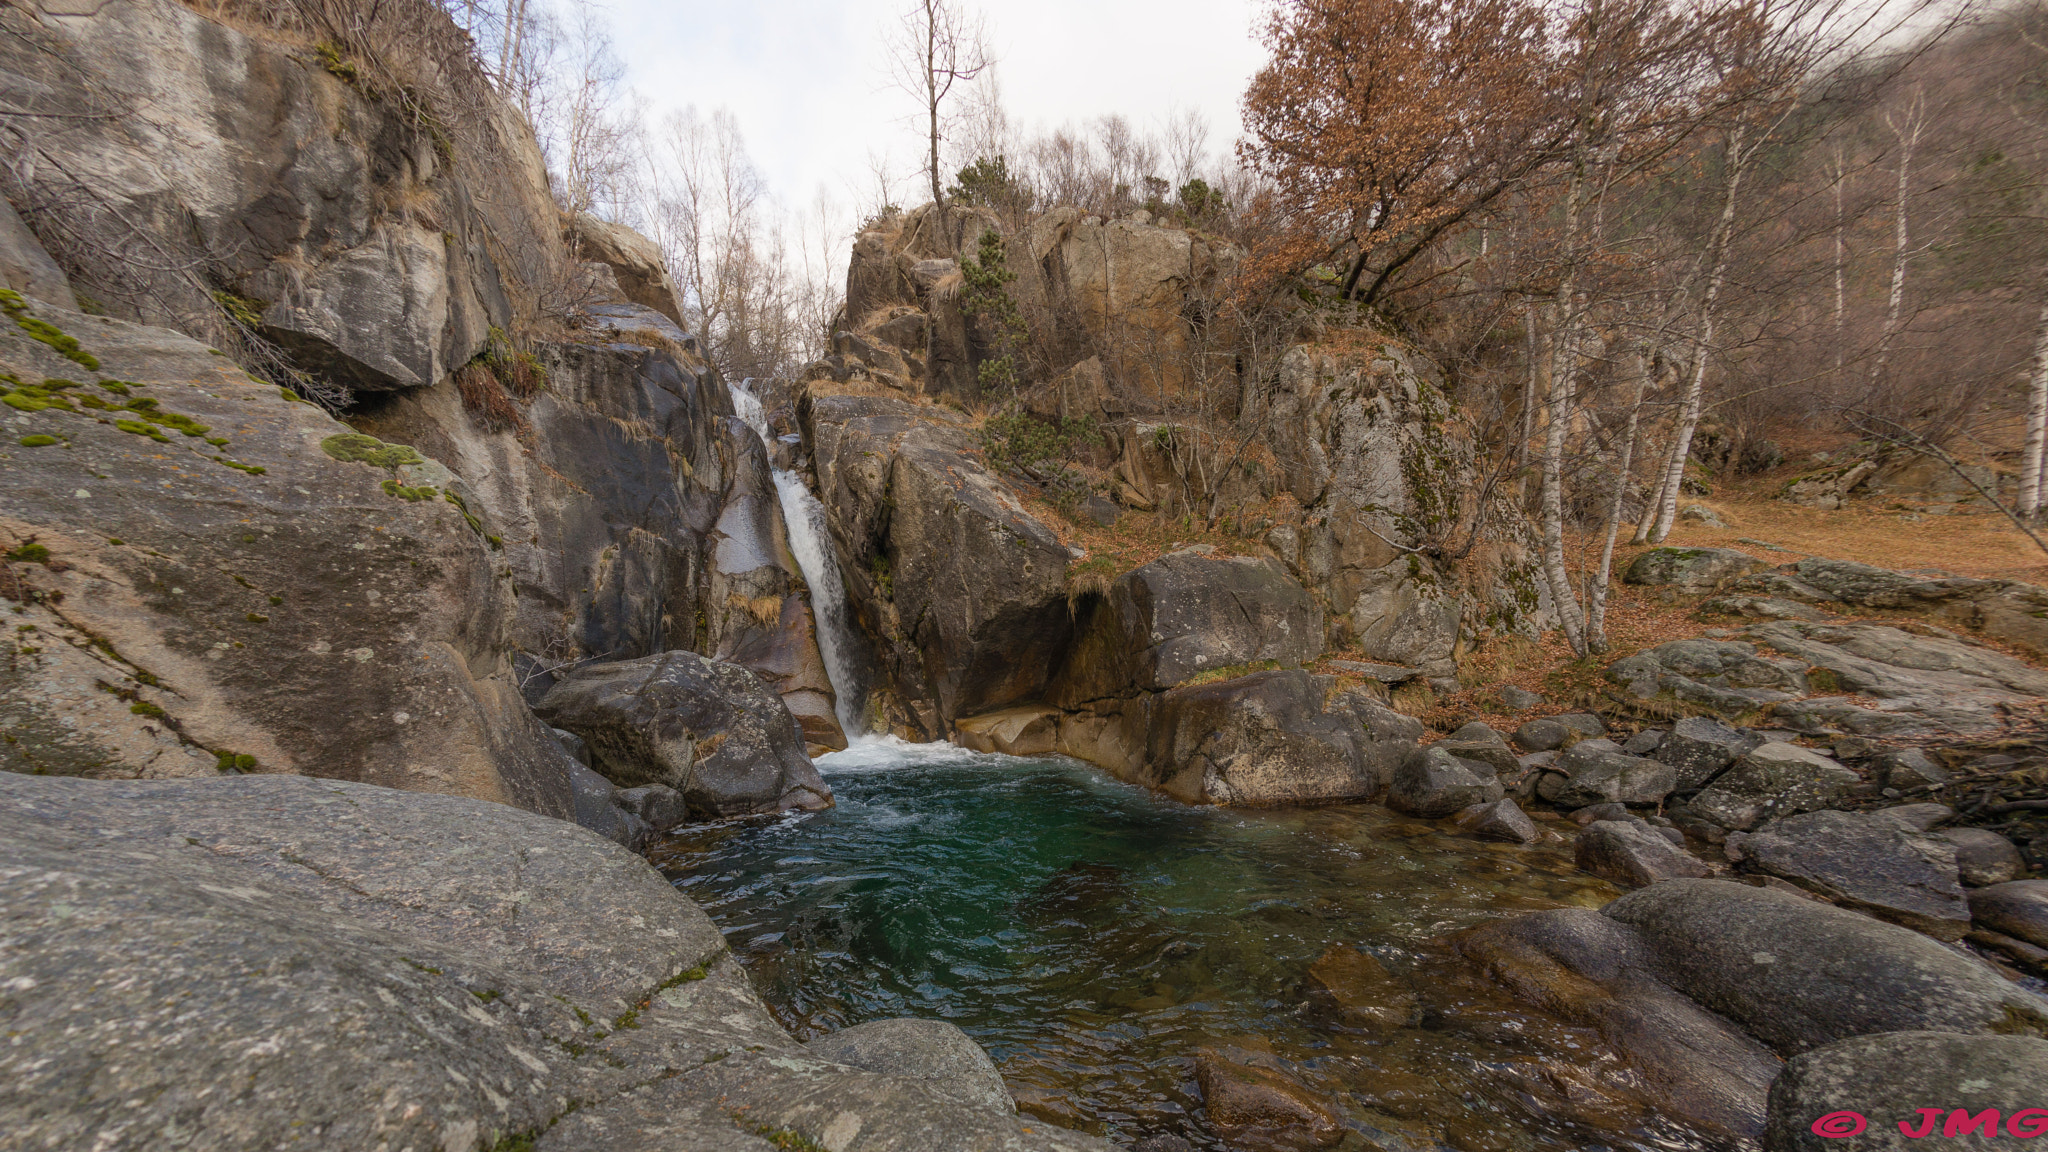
[[803, 516]]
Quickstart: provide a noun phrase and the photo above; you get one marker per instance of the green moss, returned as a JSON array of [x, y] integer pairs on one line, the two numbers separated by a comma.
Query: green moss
[[276, 600], [251, 469], [247, 311], [337, 65], [355, 447], [39, 441], [256, 618], [225, 761], [423, 492], [29, 554], [37, 397], [39, 329], [145, 708], [422, 967], [141, 428], [487, 995], [217, 441], [1824, 682], [117, 387]]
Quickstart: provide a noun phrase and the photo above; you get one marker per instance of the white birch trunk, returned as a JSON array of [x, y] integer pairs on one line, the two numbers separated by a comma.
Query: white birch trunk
[[2031, 478], [1596, 595], [1908, 134], [1696, 382], [1564, 598]]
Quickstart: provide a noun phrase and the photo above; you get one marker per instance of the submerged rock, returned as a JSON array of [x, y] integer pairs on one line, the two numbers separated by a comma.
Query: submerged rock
[[1351, 990], [710, 730], [1581, 966], [1250, 1104]]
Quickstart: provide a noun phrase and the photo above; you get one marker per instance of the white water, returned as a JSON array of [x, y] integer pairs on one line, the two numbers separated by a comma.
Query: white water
[[804, 518]]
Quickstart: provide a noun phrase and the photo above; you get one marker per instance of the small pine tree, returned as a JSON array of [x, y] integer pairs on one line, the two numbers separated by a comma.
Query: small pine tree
[[987, 299]]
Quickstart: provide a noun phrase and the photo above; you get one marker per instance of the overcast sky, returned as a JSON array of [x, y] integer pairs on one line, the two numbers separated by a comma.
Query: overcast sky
[[808, 78]]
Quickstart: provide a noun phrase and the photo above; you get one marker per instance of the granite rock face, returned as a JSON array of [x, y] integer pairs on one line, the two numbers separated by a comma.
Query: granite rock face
[[374, 968], [961, 589], [244, 571], [1270, 739], [1693, 570]]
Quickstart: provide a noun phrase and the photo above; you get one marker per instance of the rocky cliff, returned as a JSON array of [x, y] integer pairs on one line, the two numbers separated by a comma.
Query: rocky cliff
[[530, 471], [1345, 457]]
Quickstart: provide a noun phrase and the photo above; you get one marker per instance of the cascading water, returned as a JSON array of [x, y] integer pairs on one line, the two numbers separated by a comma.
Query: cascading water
[[804, 518]]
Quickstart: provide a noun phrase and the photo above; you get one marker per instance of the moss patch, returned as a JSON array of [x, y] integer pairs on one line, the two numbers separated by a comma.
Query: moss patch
[[39, 441], [357, 448], [64, 345]]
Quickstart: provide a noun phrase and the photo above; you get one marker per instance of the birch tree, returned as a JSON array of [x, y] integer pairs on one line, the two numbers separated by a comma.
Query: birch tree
[[936, 46]]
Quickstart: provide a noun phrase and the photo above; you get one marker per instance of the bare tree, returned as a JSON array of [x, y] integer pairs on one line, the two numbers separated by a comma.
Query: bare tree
[[936, 47]]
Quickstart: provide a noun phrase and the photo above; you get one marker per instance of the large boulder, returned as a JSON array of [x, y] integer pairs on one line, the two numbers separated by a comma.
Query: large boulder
[[635, 262], [219, 578], [1699, 748], [710, 730], [1772, 779], [266, 961], [962, 591], [939, 1054], [1597, 776], [2017, 908], [1729, 677], [1798, 974], [1633, 855], [1690, 570], [1983, 857], [1900, 1091], [1867, 862], [1273, 738], [1184, 615], [1918, 684], [1433, 783]]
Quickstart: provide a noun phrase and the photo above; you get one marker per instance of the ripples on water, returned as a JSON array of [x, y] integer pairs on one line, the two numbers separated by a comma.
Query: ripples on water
[[1093, 938]]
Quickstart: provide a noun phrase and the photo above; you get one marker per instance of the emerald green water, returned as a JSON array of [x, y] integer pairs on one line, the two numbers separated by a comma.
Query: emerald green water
[[1094, 938]]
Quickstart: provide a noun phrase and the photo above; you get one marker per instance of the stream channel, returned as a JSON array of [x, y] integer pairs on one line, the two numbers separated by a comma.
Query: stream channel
[[1100, 941]]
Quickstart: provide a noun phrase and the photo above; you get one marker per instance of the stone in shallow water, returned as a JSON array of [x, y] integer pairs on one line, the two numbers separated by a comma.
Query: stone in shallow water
[[1351, 990], [1252, 1103], [1433, 783], [1503, 820]]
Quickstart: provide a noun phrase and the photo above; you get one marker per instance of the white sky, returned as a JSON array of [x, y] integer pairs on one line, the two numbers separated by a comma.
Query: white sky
[[808, 80]]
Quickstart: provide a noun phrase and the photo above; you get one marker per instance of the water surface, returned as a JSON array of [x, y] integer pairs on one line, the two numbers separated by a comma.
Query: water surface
[[1094, 938]]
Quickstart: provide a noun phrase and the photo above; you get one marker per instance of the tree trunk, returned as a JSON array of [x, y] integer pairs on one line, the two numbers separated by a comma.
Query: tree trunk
[[2031, 478], [1696, 383], [1564, 598], [1908, 133], [1596, 596]]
